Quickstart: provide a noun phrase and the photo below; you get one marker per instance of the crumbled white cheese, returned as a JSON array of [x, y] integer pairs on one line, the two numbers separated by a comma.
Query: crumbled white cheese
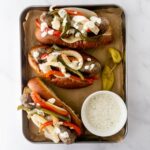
[[43, 26], [60, 123], [92, 66], [71, 31], [38, 105], [56, 54], [62, 13], [89, 59], [78, 22], [50, 32], [35, 54], [76, 26], [86, 25], [96, 20], [67, 75], [56, 23], [90, 25], [78, 34], [74, 23], [43, 34], [49, 118], [83, 31], [57, 130], [63, 70], [81, 19], [33, 104], [86, 67], [42, 16], [64, 135], [44, 68], [52, 100]]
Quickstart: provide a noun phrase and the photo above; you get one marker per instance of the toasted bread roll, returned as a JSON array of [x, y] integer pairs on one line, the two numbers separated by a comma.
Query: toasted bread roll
[[74, 28], [70, 78], [52, 39], [37, 85]]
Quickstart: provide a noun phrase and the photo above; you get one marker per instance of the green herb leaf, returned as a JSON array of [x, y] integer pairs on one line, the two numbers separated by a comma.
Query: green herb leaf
[[115, 54], [107, 78]]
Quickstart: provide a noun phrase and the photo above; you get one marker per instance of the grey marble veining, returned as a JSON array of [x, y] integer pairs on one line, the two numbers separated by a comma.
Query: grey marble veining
[[138, 52]]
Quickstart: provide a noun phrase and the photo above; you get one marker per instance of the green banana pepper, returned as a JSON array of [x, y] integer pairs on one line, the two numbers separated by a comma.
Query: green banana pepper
[[78, 73], [35, 111], [48, 112]]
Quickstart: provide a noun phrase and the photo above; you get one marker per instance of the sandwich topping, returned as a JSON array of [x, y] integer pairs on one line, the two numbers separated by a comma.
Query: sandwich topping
[[62, 63], [71, 25], [53, 121]]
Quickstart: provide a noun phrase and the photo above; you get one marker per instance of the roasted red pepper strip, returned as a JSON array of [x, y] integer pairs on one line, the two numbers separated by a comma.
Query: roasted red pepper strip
[[37, 99], [48, 123], [67, 124], [58, 73], [53, 72], [90, 80], [73, 126], [88, 30], [55, 33], [43, 56], [74, 13], [37, 22]]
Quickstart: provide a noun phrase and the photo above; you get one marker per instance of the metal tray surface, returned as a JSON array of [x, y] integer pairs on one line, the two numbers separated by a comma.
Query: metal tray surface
[[25, 69]]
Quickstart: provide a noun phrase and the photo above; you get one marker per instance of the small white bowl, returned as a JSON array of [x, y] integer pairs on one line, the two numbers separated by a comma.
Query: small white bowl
[[111, 111]]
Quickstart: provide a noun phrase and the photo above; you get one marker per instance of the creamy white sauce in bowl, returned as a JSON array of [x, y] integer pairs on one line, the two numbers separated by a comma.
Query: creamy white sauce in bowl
[[104, 113]]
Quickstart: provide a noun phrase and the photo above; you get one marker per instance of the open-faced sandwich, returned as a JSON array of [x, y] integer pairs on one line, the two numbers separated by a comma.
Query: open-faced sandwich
[[64, 67], [73, 27], [56, 120]]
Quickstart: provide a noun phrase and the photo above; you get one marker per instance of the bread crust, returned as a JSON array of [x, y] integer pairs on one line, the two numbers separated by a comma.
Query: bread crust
[[70, 83], [51, 39]]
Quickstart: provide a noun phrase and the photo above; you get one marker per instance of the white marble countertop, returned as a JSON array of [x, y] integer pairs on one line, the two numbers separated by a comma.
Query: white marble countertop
[[138, 51]]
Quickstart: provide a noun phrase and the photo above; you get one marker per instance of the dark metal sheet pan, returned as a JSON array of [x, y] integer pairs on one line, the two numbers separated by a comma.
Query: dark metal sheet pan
[[25, 77]]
